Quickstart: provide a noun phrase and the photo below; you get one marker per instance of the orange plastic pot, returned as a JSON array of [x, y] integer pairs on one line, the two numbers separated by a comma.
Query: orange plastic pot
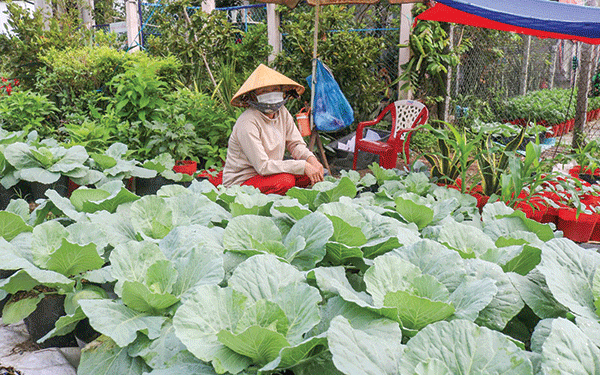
[[186, 166], [577, 228]]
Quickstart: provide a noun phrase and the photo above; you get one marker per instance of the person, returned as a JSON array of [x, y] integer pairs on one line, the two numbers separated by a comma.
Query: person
[[262, 134]]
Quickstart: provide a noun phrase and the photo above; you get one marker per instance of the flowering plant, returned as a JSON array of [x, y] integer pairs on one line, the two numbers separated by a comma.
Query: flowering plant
[[7, 85]]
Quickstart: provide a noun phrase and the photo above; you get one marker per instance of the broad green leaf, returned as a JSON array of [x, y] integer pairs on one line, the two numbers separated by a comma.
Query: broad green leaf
[[196, 252], [344, 187], [19, 207], [339, 253], [534, 291], [416, 312], [569, 271], [162, 351], [414, 212], [152, 217], [527, 260], [15, 311], [467, 240], [389, 274], [40, 175], [30, 276], [465, 348], [316, 229], [264, 314], [256, 204], [291, 207], [104, 357], [203, 315], [304, 196], [183, 363], [345, 211], [247, 232], [345, 233], [84, 233], [47, 237], [436, 260], [297, 355], [333, 281], [130, 262], [72, 259], [507, 302], [119, 322], [262, 276], [82, 195], [567, 350], [140, 297], [543, 231], [260, 344], [471, 297], [11, 225], [194, 209], [300, 303], [375, 349]]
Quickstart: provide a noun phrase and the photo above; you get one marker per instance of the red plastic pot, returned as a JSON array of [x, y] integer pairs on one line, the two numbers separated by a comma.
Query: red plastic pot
[[186, 166], [578, 229]]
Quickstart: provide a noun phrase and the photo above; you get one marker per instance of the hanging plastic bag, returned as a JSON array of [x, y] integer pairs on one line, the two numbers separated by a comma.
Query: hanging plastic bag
[[331, 110]]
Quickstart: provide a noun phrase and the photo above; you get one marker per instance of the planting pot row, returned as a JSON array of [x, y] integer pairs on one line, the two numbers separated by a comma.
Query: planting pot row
[[32, 191], [563, 127]]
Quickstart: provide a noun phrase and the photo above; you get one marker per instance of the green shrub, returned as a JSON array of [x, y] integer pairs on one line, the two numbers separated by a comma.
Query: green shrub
[[27, 111]]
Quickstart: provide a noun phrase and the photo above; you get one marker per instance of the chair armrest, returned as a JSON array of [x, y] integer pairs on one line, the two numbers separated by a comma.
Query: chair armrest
[[361, 127]]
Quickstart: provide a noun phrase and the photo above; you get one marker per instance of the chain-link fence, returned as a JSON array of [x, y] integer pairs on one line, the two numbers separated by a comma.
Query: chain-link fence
[[502, 65]]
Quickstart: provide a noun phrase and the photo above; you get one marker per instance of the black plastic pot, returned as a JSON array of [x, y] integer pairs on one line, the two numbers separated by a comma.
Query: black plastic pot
[[150, 186], [38, 190], [84, 333], [42, 321], [3, 275], [592, 179]]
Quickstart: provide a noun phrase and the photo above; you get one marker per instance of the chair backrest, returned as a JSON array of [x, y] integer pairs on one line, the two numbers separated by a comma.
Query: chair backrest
[[406, 114]]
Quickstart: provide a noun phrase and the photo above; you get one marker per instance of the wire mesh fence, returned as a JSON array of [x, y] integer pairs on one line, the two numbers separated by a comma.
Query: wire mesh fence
[[503, 70]]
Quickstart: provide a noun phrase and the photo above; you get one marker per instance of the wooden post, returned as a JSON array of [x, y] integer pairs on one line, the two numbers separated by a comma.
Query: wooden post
[[555, 52], [46, 10], [447, 97], [404, 53], [87, 13], [273, 33], [525, 66], [134, 40]]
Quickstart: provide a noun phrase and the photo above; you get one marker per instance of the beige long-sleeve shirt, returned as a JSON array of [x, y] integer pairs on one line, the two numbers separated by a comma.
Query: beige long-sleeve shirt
[[257, 145]]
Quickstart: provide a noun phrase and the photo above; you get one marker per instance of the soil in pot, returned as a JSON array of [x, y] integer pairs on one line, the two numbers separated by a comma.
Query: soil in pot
[[578, 229], [42, 321]]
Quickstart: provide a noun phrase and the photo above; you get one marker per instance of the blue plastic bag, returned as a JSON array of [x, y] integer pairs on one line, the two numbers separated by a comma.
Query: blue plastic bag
[[331, 109]]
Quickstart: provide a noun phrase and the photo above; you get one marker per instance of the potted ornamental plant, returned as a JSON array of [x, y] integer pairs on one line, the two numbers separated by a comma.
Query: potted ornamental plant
[[46, 165]]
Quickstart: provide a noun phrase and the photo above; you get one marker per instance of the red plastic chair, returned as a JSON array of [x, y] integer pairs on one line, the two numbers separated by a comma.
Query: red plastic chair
[[406, 115]]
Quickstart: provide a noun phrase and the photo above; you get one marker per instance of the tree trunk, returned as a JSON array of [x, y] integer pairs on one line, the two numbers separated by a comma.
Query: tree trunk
[[583, 80]]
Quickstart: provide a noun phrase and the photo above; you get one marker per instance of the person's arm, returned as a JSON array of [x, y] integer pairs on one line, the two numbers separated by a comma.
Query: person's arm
[[314, 170]]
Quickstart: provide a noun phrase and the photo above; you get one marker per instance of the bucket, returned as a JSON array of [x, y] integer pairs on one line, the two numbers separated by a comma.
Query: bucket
[[303, 122]]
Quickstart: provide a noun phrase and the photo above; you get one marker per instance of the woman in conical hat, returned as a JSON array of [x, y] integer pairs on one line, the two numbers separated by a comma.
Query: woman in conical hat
[[263, 133]]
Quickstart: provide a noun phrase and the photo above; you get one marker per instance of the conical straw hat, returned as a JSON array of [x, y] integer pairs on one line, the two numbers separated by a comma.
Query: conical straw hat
[[263, 76]]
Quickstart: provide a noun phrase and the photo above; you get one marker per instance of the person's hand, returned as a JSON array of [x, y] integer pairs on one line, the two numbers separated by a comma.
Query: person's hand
[[314, 170]]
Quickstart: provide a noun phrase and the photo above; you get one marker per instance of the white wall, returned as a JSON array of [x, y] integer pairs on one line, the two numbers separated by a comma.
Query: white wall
[[4, 14]]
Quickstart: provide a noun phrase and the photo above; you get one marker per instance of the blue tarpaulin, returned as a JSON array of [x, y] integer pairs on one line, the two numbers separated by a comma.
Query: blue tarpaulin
[[541, 18]]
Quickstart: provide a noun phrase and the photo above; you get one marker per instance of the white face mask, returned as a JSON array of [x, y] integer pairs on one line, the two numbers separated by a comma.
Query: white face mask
[[273, 97]]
